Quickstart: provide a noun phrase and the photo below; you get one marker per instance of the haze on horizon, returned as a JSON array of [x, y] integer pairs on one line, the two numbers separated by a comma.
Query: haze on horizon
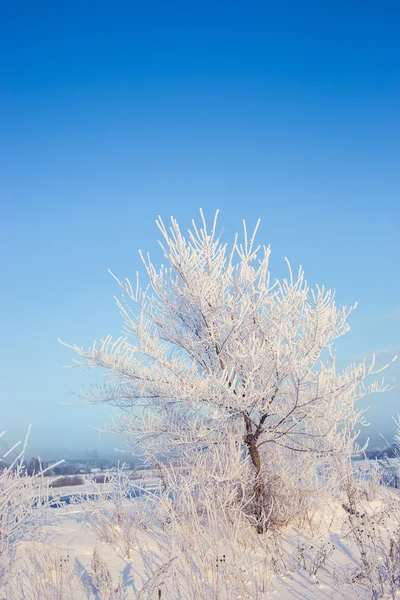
[[111, 115]]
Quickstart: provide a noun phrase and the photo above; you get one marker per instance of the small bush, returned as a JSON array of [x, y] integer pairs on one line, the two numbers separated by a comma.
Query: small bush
[[63, 481]]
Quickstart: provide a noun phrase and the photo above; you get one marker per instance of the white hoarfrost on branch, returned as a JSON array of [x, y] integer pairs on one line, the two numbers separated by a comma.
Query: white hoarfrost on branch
[[215, 350]]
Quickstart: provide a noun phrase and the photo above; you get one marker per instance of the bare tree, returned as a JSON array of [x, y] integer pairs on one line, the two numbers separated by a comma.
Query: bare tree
[[215, 350]]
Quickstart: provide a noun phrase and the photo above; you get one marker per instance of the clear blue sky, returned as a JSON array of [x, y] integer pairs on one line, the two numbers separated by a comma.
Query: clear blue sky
[[113, 113]]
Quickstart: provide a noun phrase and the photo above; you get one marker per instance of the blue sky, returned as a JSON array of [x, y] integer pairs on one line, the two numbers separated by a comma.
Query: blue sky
[[113, 113]]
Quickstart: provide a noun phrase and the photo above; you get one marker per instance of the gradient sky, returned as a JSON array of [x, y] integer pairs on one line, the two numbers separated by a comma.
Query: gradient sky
[[113, 113]]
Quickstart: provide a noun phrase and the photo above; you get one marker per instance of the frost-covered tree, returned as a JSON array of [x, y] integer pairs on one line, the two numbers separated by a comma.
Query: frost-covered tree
[[215, 350]]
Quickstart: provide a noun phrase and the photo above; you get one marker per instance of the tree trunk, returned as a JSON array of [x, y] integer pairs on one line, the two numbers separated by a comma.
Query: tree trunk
[[259, 484]]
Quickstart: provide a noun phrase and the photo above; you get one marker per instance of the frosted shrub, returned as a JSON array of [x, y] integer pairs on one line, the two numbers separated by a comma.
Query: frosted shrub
[[23, 500], [45, 574], [313, 557], [102, 581], [374, 531]]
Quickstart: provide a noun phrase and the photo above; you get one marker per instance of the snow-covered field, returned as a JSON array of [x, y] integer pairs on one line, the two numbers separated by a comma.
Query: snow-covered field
[[167, 538], [316, 560]]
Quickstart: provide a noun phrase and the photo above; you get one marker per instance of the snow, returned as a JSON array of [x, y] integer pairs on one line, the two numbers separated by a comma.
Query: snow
[[291, 578]]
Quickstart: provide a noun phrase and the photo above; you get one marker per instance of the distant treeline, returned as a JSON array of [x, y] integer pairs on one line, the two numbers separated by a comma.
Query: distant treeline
[[389, 452]]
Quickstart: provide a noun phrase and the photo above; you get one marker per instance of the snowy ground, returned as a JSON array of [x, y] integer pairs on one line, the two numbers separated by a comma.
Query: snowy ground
[[315, 559], [310, 563]]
